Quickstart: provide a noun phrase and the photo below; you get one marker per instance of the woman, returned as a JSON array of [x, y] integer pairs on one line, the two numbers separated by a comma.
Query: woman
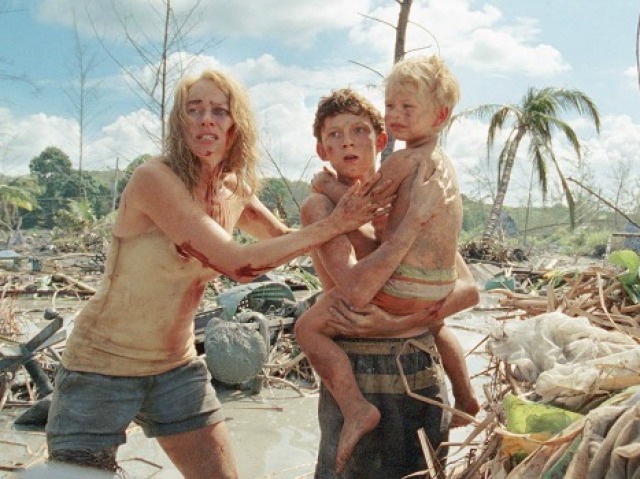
[[131, 355]]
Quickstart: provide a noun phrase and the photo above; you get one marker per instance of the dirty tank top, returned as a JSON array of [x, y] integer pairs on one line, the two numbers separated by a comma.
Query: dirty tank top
[[141, 320]]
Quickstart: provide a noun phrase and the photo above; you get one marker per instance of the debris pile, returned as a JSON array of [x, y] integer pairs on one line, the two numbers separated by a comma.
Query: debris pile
[[564, 394]]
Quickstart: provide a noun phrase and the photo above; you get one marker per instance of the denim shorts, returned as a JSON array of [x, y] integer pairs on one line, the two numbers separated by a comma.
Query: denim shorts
[[93, 411]]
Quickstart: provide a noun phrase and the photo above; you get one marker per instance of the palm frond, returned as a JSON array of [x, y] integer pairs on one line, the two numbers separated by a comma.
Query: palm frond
[[569, 134], [538, 152], [578, 101], [496, 123]]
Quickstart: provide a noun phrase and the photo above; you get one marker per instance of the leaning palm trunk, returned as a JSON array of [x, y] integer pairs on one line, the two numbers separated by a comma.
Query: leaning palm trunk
[[503, 185]]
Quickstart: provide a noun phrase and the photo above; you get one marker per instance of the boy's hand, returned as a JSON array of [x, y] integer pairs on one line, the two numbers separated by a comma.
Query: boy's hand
[[369, 321], [430, 195], [321, 181], [372, 321]]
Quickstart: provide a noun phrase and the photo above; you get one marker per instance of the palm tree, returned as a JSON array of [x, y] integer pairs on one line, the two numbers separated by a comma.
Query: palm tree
[[536, 118], [15, 195]]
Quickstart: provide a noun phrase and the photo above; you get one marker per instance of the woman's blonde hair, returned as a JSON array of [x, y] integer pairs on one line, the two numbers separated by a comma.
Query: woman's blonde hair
[[430, 76], [242, 156]]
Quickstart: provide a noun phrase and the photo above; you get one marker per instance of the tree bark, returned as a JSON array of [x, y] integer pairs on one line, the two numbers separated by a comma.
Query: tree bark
[[398, 54], [503, 185]]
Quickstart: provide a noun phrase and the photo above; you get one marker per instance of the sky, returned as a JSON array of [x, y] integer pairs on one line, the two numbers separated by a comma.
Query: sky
[[289, 53]]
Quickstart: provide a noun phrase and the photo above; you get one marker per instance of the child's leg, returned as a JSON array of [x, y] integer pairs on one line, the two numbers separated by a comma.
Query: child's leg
[[456, 368], [332, 365]]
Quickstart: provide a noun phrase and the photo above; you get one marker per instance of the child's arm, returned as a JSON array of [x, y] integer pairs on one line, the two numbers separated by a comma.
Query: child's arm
[[395, 169], [365, 239]]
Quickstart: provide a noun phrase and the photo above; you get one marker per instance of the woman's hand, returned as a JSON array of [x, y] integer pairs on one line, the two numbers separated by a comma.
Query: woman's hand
[[429, 195], [362, 202]]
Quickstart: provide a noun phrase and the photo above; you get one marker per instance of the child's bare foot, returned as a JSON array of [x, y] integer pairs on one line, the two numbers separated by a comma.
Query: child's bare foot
[[353, 429], [470, 405]]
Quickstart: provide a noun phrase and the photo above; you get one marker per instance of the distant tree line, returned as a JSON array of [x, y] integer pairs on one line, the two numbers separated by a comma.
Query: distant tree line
[[51, 197]]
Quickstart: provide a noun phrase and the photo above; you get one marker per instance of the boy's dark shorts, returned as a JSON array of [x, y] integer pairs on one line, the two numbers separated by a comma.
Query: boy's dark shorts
[[93, 411], [392, 450]]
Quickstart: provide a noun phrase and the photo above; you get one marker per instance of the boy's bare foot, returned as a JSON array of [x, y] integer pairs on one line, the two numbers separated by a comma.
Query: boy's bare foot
[[470, 405], [353, 429]]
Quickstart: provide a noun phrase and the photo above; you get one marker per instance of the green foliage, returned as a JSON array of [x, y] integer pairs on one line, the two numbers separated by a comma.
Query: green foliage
[[17, 195], [475, 215], [78, 216], [60, 185], [284, 197], [630, 279]]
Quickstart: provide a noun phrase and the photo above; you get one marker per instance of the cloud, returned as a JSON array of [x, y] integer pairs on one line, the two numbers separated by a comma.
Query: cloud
[[631, 76], [291, 22], [618, 143], [476, 38], [128, 137], [22, 139]]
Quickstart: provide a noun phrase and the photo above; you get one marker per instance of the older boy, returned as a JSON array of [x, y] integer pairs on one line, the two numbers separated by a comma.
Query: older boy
[[350, 135]]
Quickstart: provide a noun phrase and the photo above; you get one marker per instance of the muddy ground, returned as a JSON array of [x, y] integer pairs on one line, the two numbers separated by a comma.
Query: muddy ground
[[275, 433]]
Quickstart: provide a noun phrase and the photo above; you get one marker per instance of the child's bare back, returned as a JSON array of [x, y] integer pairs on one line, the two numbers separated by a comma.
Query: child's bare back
[[427, 273]]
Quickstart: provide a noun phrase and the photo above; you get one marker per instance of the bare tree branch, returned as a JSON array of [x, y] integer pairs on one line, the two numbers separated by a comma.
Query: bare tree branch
[[638, 49], [368, 68], [154, 94], [378, 20]]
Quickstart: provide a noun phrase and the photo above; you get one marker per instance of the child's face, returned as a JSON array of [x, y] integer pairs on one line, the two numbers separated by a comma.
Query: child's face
[[349, 142], [407, 117]]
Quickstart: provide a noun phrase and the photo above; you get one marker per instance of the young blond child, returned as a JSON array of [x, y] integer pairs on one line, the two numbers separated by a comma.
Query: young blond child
[[416, 265]]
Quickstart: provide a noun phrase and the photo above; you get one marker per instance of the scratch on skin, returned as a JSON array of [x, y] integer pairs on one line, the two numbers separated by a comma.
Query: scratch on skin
[[247, 271]]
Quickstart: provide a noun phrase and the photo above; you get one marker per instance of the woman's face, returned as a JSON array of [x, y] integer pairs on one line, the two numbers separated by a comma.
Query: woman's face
[[209, 126]]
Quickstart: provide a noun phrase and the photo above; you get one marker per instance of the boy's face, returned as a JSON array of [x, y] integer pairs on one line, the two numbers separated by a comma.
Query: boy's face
[[409, 118], [349, 142]]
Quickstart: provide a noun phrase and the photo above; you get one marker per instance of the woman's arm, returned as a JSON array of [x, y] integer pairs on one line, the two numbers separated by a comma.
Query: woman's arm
[[156, 193], [259, 222]]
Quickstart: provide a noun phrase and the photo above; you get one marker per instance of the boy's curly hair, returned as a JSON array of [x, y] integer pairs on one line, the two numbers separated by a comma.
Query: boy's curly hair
[[431, 77], [346, 100]]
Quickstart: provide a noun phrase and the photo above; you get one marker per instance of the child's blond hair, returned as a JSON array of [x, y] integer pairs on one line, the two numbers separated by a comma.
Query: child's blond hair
[[430, 76]]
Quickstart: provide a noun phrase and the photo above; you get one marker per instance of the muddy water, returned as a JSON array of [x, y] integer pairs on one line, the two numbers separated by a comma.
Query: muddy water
[[282, 444], [274, 434]]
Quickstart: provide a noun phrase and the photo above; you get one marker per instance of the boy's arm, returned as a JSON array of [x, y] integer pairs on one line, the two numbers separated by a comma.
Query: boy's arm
[[371, 321], [339, 259], [365, 239], [371, 272]]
